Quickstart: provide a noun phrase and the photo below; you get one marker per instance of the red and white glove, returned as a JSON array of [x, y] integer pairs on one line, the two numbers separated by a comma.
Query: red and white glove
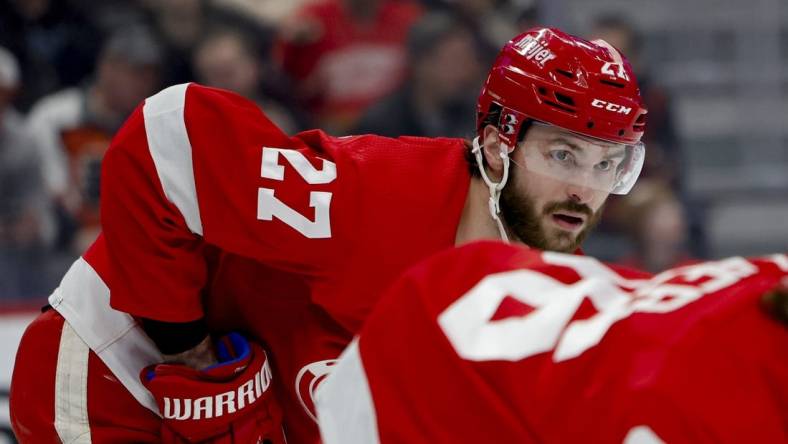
[[229, 402]]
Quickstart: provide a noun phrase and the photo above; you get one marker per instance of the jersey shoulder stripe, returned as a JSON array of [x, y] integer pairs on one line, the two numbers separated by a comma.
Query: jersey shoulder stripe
[[171, 151]]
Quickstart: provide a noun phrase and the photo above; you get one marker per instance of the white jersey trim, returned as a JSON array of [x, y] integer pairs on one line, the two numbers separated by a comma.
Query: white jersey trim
[[344, 405], [642, 434], [168, 142], [83, 300], [71, 389]]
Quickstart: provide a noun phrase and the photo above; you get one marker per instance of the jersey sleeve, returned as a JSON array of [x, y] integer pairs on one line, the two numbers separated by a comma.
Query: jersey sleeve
[[195, 166]]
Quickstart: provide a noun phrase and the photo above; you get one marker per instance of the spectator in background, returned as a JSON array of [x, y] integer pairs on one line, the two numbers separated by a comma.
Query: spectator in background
[[25, 217], [183, 24], [110, 15], [73, 128], [179, 24], [657, 225], [493, 22], [228, 59], [344, 55], [56, 45], [444, 64], [528, 14], [664, 162], [492, 19], [264, 12]]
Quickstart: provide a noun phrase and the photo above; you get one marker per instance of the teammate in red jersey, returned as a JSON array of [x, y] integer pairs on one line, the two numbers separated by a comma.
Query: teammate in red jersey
[[496, 343], [198, 178]]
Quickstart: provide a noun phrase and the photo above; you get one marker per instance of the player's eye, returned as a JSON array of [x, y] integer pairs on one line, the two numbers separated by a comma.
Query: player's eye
[[605, 165], [561, 155]]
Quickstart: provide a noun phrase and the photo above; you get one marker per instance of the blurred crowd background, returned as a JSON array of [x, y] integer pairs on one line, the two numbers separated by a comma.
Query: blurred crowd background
[[713, 76]]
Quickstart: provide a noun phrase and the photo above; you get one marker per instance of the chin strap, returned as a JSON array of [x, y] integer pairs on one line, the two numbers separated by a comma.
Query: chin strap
[[495, 188]]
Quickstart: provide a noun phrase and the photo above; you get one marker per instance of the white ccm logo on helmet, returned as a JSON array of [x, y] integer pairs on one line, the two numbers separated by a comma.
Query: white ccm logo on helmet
[[534, 50], [611, 106]]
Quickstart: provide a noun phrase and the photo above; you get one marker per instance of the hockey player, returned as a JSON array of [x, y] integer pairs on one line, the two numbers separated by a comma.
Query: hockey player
[[199, 179], [516, 345]]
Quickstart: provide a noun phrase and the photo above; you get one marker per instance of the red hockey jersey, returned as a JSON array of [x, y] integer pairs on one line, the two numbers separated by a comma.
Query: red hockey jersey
[[197, 166], [498, 344], [209, 210]]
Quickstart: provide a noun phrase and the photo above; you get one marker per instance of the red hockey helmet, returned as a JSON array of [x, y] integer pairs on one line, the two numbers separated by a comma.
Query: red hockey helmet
[[547, 75]]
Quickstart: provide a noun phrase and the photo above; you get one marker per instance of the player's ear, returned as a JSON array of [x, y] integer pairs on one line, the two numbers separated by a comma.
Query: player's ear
[[491, 150]]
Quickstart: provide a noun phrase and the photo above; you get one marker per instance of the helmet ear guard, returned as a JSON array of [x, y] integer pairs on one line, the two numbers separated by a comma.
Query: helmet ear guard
[[509, 123]]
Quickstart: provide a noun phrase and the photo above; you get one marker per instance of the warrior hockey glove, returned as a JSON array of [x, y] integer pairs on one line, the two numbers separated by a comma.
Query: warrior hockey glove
[[229, 402]]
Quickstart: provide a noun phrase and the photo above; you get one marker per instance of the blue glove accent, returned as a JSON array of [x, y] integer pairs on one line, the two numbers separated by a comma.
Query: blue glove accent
[[150, 374], [230, 349], [238, 350]]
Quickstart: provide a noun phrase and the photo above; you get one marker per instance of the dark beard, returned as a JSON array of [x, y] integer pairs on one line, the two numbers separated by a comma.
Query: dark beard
[[521, 216]]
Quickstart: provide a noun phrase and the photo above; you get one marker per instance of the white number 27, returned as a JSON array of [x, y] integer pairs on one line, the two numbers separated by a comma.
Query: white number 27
[[268, 206]]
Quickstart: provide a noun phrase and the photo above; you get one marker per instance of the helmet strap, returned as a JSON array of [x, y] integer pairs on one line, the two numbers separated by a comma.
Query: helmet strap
[[494, 187]]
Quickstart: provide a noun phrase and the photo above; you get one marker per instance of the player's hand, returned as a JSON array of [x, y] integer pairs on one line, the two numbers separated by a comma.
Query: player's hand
[[230, 402]]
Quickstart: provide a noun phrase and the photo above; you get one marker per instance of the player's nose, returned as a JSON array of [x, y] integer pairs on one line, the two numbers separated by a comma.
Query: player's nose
[[579, 194]]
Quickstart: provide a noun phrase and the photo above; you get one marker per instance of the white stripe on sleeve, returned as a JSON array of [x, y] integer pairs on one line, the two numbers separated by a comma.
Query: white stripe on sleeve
[[83, 299], [71, 389], [345, 410], [171, 151], [642, 434]]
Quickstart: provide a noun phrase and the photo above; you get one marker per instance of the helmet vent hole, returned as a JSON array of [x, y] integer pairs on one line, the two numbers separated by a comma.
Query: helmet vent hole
[[563, 108], [542, 91], [611, 83], [621, 132], [590, 124], [564, 99], [565, 73]]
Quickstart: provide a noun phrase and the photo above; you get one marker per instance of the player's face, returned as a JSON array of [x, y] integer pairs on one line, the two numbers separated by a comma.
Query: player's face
[[546, 212]]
